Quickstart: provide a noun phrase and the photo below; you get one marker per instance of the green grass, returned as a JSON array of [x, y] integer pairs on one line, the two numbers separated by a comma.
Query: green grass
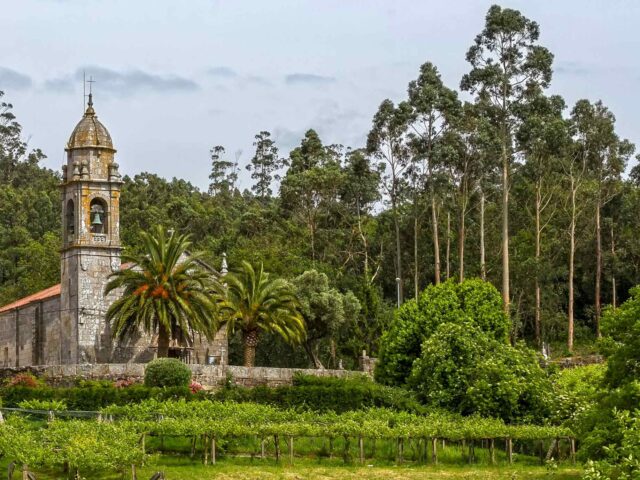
[[452, 466]]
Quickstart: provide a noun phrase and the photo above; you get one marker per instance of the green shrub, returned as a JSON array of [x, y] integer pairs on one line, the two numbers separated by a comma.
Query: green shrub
[[167, 372], [472, 302], [327, 393], [461, 369]]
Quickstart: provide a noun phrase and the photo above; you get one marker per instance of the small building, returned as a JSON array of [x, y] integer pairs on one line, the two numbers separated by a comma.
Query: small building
[[65, 324]]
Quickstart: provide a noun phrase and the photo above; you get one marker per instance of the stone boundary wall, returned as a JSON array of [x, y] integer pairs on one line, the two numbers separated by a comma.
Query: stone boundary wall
[[210, 376]]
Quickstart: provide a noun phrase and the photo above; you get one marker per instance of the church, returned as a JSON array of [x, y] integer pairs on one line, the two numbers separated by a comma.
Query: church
[[65, 324]]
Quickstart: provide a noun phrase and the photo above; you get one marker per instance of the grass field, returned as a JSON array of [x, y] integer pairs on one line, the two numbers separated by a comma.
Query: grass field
[[182, 468]]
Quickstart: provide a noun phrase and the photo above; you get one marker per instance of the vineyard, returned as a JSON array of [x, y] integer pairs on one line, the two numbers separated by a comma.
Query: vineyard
[[121, 437]]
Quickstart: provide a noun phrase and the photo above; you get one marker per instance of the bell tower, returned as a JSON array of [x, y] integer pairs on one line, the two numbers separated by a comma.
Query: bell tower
[[91, 240]]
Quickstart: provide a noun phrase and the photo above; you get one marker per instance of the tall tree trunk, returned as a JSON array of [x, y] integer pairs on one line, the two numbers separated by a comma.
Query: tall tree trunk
[[506, 298], [416, 286], [398, 258], [250, 342], [163, 342], [461, 235], [572, 247], [436, 242], [598, 306], [483, 264], [538, 321], [614, 300], [448, 244]]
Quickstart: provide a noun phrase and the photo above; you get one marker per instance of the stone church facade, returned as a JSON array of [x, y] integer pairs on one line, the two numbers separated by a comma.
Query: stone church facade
[[65, 324]]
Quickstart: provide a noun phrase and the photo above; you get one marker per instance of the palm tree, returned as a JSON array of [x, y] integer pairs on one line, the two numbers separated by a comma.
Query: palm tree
[[164, 291], [251, 301]]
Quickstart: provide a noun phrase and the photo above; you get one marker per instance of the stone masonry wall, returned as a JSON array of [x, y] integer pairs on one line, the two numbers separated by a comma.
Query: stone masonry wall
[[210, 376]]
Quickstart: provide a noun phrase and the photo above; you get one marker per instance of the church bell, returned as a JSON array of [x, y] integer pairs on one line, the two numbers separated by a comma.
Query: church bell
[[96, 219]]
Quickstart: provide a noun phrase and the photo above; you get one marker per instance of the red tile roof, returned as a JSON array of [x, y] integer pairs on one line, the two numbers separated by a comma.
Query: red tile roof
[[41, 295]]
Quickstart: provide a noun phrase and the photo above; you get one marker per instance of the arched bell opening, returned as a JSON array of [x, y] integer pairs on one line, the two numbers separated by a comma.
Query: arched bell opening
[[70, 221], [99, 216]]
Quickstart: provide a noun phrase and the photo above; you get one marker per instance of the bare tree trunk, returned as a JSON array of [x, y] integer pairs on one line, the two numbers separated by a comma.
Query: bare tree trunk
[[461, 235], [483, 264], [436, 242], [538, 322], [448, 244], [415, 257], [614, 300], [398, 250], [598, 306], [572, 247], [506, 298]]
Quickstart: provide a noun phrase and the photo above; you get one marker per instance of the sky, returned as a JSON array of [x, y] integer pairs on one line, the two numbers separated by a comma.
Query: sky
[[174, 78]]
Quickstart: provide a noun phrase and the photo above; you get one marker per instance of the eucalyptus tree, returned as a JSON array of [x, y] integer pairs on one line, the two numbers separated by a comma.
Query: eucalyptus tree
[[461, 150], [223, 174], [387, 142], [311, 187], [606, 156], [507, 68], [543, 138], [433, 108], [360, 190], [265, 165]]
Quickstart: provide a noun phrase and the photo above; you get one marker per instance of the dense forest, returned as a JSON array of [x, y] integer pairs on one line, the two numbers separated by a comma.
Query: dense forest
[[492, 178]]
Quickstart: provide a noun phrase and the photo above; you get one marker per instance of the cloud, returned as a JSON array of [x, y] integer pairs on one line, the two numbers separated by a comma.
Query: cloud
[[572, 68], [12, 79], [222, 72], [60, 85], [307, 79], [124, 82]]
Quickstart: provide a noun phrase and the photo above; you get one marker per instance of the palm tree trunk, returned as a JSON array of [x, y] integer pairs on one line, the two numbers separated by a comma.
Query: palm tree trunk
[[250, 342], [538, 320], [163, 342]]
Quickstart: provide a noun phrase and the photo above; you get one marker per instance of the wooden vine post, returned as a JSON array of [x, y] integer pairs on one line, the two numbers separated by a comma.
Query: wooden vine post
[[213, 450], [572, 451], [492, 451], [291, 450], [510, 450], [262, 447], [434, 450], [205, 449], [133, 472], [276, 442], [361, 448]]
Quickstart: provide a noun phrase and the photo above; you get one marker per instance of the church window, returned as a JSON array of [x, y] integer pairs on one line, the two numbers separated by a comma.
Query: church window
[[70, 220], [98, 216]]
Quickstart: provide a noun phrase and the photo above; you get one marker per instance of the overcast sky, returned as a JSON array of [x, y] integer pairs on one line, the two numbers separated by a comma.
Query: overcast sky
[[174, 77]]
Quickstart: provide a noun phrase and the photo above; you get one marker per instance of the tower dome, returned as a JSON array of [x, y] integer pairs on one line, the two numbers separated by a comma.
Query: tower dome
[[90, 132]]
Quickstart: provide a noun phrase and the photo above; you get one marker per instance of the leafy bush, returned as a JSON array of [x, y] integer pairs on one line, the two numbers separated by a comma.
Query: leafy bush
[[463, 370], [327, 394], [472, 302], [167, 372], [24, 380], [620, 461]]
